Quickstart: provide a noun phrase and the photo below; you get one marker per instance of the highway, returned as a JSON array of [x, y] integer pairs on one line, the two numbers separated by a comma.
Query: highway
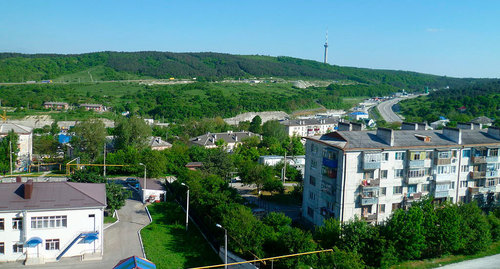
[[385, 109]]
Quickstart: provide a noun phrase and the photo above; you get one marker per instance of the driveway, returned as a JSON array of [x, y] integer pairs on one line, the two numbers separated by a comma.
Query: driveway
[[483, 263], [120, 241]]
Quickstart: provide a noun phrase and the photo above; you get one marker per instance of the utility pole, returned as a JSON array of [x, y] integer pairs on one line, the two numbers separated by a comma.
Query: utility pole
[[10, 155], [104, 159]]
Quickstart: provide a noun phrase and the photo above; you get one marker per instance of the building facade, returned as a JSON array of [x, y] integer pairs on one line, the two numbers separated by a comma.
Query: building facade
[[56, 105], [45, 221], [310, 127], [24, 143], [230, 139], [369, 174]]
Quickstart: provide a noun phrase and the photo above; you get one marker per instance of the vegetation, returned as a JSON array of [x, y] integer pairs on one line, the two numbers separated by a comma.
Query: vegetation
[[5, 151], [168, 245]]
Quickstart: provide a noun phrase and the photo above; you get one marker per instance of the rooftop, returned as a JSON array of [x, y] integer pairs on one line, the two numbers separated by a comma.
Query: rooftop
[[309, 122], [151, 184], [52, 195], [209, 139]]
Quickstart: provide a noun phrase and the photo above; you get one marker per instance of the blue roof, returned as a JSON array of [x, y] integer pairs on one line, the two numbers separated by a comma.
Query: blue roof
[[64, 138], [358, 113], [442, 118], [33, 242], [135, 262]]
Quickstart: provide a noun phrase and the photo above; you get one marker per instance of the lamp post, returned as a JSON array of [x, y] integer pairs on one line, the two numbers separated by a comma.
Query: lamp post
[[187, 205], [225, 244], [143, 198]]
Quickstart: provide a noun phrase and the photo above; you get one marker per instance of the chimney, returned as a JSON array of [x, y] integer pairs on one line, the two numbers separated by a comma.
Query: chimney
[[454, 134], [422, 126], [465, 126], [18, 179], [344, 126], [494, 131], [28, 189], [409, 126], [387, 135]]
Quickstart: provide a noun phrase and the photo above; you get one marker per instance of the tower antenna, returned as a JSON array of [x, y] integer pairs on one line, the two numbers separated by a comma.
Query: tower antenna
[[326, 48]]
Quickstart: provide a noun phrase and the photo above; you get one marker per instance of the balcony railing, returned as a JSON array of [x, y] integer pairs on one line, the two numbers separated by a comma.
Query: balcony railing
[[441, 194], [477, 174], [443, 177], [478, 159], [369, 200], [371, 165], [442, 161], [416, 163], [330, 163], [490, 174], [416, 180], [369, 217], [492, 159]]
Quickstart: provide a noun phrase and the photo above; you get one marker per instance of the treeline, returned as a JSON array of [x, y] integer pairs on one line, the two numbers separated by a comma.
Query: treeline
[[479, 99], [24, 67]]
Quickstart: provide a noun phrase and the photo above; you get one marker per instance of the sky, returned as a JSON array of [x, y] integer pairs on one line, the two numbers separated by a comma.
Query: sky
[[455, 38]]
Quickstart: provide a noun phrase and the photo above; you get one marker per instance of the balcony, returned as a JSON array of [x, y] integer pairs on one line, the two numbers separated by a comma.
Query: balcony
[[371, 160], [478, 159], [490, 174], [442, 161], [492, 159], [327, 196], [326, 212], [330, 163], [441, 194], [416, 163], [369, 217], [371, 165], [444, 177], [369, 200], [477, 174], [416, 180], [371, 185], [413, 196]]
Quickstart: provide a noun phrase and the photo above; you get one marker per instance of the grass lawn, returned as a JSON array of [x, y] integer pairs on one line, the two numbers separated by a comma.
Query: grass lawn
[[109, 219], [437, 262], [167, 243]]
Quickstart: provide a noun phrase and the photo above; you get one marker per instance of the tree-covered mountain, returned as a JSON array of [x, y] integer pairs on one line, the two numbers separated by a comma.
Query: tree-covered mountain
[[15, 67]]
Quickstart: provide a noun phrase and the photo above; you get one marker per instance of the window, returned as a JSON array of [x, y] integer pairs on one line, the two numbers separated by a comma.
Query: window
[[444, 155], [368, 175], [314, 164], [453, 185], [17, 223], [490, 182], [330, 154], [463, 184], [397, 189], [381, 208], [493, 152], [412, 188], [400, 155], [372, 157], [49, 222], [2, 224], [425, 187], [464, 168], [2, 248], [383, 174], [385, 156], [383, 190], [398, 173], [466, 153], [418, 172], [52, 244], [310, 212], [453, 169], [17, 248], [312, 180], [312, 196]]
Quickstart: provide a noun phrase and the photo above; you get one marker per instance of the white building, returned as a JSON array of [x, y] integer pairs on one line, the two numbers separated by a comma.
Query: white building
[[310, 127], [24, 143], [296, 161], [358, 115], [152, 191], [230, 138], [45, 221], [369, 174]]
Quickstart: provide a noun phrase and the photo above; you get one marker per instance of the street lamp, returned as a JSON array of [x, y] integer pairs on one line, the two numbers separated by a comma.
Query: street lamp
[[225, 244], [187, 205], [144, 174]]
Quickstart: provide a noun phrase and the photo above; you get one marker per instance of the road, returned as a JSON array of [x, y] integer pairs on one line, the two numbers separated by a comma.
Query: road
[[385, 109], [483, 263], [120, 241]]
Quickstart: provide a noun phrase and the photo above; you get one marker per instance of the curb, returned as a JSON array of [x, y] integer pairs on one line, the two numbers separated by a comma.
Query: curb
[[117, 220], [139, 232]]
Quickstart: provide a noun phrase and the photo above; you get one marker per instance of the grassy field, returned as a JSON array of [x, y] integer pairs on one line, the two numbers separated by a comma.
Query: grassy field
[[167, 243], [433, 263]]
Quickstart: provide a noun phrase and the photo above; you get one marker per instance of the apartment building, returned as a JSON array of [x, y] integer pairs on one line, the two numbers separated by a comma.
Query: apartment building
[[310, 127], [230, 138], [45, 221], [369, 174]]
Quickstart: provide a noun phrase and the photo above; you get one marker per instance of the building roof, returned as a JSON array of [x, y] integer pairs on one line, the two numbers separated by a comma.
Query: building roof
[[6, 127], [209, 139], [356, 140], [359, 113], [52, 195], [135, 262], [91, 105], [55, 103], [156, 141], [152, 184], [194, 164], [304, 122], [482, 120]]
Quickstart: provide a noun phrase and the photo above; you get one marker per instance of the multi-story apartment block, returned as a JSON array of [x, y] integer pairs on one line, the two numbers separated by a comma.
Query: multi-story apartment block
[[369, 174], [310, 127]]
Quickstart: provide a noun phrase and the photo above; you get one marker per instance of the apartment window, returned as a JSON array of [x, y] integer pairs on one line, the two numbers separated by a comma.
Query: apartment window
[[418, 172], [49, 222], [2, 224], [466, 153], [383, 191], [372, 158], [425, 187], [383, 174], [314, 163], [412, 188], [17, 248], [310, 212], [17, 223], [396, 206], [463, 184], [2, 248], [453, 185], [398, 173], [400, 155], [493, 152], [443, 169], [453, 169], [312, 196], [330, 154], [314, 148], [381, 208], [52, 244], [312, 180], [464, 168], [397, 189], [444, 155], [385, 156], [490, 182]]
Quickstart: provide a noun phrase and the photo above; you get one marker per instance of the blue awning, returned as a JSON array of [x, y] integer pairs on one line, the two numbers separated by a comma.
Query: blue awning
[[90, 238], [135, 262], [33, 242]]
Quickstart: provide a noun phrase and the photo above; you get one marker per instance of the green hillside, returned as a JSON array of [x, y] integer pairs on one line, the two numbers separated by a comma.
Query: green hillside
[[105, 66]]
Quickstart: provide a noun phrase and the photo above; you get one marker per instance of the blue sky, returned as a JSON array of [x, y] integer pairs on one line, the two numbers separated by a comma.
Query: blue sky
[[453, 38]]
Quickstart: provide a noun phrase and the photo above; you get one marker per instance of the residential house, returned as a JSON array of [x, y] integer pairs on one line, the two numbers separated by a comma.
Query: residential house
[[156, 143], [46, 221], [369, 174], [310, 127], [56, 105], [231, 139], [296, 161], [95, 107], [484, 121], [358, 115], [152, 190]]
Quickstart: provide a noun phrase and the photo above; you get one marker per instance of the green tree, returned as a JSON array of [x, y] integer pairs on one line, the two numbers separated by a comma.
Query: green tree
[[89, 139], [258, 174], [155, 161], [132, 132], [255, 125], [273, 185], [218, 162], [45, 145], [405, 229], [340, 259], [475, 228], [116, 196], [328, 234], [6, 153], [274, 129]]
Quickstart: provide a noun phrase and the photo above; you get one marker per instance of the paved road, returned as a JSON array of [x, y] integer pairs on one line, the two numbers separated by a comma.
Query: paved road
[[483, 263], [120, 241], [385, 109]]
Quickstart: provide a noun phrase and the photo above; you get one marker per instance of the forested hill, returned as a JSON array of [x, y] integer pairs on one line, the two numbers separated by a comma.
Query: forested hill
[[15, 67]]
